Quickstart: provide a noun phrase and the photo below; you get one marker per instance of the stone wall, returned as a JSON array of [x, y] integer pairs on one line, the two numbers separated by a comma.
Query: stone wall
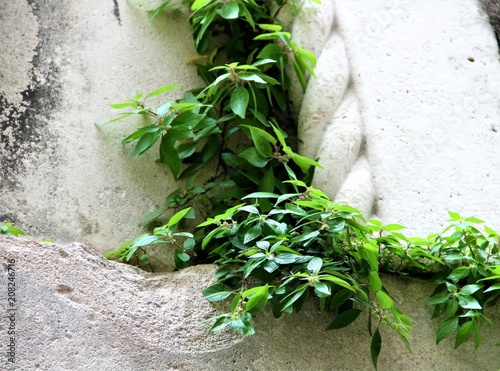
[[79, 311], [403, 115], [61, 64]]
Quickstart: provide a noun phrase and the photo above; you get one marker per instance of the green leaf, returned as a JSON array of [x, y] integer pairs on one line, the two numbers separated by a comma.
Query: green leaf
[[254, 157], [337, 281], [322, 290], [375, 281], [459, 273], [144, 239], [394, 227], [262, 141], [169, 156], [145, 142], [270, 51], [210, 149], [258, 300], [185, 150], [496, 286], [229, 10], [305, 162], [261, 195], [199, 4], [220, 323], [294, 296], [438, 298], [287, 258], [305, 239], [344, 319], [252, 234], [252, 77], [370, 253], [243, 325], [464, 333], [375, 347], [446, 328], [454, 216], [217, 292], [270, 27], [470, 289], [182, 255], [384, 300], [239, 100], [474, 220], [468, 302], [176, 218], [315, 265], [163, 89]]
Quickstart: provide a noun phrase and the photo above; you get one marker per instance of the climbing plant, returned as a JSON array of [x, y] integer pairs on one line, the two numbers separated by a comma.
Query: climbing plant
[[276, 239]]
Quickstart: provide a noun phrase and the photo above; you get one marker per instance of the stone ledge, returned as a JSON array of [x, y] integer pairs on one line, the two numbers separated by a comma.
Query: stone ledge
[[77, 310]]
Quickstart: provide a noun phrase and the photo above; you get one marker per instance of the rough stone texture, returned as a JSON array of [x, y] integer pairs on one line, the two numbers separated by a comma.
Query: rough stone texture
[[492, 7], [427, 77], [60, 65], [76, 310]]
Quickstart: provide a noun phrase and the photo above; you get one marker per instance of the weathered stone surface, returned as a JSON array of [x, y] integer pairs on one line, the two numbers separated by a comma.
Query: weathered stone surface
[[60, 65], [76, 310], [427, 77]]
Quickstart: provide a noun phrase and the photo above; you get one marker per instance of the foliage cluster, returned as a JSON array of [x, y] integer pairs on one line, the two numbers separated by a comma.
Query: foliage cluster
[[8, 228], [276, 239]]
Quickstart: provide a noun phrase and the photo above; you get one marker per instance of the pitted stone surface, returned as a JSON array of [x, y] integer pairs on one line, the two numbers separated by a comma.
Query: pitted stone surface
[[427, 77], [78, 311], [60, 176]]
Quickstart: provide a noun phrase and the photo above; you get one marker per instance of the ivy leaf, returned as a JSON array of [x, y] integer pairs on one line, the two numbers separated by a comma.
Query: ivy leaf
[[344, 319], [239, 99]]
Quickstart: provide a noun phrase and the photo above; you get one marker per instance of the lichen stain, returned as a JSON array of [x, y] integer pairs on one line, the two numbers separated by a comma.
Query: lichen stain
[[24, 132]]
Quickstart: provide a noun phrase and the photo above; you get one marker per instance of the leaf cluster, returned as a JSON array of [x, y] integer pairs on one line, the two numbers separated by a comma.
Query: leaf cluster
[[276, 239], [9, 229]]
